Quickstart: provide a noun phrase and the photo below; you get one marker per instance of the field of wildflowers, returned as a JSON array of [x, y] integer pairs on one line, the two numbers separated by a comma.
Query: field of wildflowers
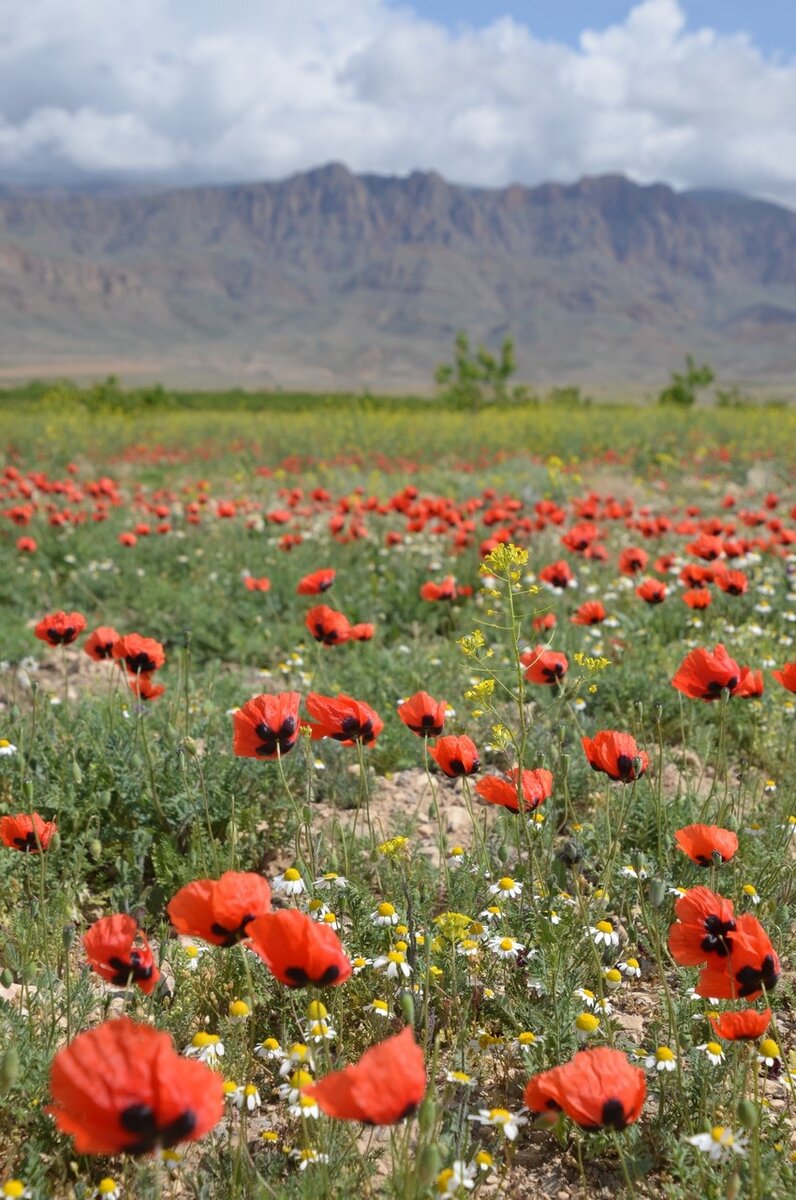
[[397, 803]]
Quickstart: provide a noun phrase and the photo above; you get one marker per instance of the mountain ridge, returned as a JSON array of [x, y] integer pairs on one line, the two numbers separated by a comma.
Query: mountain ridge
[[332, 279]]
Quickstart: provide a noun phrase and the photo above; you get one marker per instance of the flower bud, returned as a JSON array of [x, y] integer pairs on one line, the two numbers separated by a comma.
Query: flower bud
[[9, 1069], [77, 774], [68, 937], [748, 1113], [656, 892], [428, 1166], [95, 849], [427, 1117], [408, 1007], [27, 789], [6, 977]]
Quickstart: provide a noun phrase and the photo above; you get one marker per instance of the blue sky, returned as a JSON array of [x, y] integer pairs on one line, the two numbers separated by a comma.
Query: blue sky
[[510, 91], [771, 23]]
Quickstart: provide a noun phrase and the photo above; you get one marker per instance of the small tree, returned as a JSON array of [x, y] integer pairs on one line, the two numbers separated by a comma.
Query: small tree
[[684, 385], [477, 377]]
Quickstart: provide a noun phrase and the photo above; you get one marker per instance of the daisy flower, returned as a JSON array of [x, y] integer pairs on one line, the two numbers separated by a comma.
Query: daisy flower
[[630, 967], [289, 883], [393, 964], [505, 947], [663, 1059], [207, 1047], [385, 914], [506, 888], [500, 1118], [458, 1175], [269, 1048], [713, 1052], [768, 1053], [719, 1143], [604, 934]]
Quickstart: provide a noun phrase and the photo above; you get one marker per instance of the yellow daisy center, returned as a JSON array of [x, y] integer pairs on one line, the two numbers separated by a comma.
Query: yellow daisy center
[[385, 909], [291, 875]]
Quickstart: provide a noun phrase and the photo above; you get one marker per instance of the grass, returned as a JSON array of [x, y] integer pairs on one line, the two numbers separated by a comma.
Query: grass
[[148, 799]]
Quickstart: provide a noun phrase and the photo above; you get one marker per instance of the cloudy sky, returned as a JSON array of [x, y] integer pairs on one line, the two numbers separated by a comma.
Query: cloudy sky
[[694, 92]]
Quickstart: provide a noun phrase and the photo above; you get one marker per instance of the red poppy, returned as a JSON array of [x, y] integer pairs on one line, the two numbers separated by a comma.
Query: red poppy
[[263, 584], [694, 576], [701, 842], [424, 715], [317, 582], [751, 965], [123, 1089], [652, 591], [702, 931], [697, 598], [327, 626], [751, 686], [439, 591], [616, 755], [746, 1025], [120, 953], [143, 688], [99, 644], [557, 575], [590, 613], [544, 666], [266, 726], [362, 632], [537, 786], [299, 951], [385, 1086], [597, 1089], [128, 539], [456, 756], [632, 560], [706, 547], [703, 675], [60, 628], [27, 545], [734, 583], [545, 621], [344, 719], [787, 676], [220, 910], [139, 654], [26, 832]]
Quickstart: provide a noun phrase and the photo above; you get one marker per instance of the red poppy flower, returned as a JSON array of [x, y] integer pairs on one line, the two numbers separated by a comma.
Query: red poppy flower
[[344, 719], [751, 686], [701, 842], [439, 591], [362, 632], [694, 576], [266, 726], [697, 598], [122, 1088], [590, 613], [327, 626], [299, 951], [27, 545], [385, 1086], [263, 584], [143, 688], [120, 953], [787, 676], [702, 932], [633, 560], [597, 1089], [316, 583], [615, 754], [703, 675], [751, 965], [652, 591], [220, 910], [544, 666], [139, 654], [128, 539], [99, 644], [545, 621], [456, 756], [746, 1025], [424, 715], [706, 547], [557, 575], [26, 832], [537, 786], [734, 583], [60, 628]]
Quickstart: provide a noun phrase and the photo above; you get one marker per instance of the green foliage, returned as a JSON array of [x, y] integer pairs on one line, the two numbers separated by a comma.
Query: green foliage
[[478, 377], [684, 385]]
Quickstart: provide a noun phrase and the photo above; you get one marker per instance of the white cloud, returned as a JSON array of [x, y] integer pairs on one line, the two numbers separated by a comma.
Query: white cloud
[[199, 90]]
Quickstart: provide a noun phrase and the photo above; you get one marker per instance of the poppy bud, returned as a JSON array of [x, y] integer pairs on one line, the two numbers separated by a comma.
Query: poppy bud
[[29, 972], [190, 747], [657, 892], [427, 1117], [27, 789], [9, 1069], [68, 937], [77, 774], [733, 1189], [639, 707], [428, 1166], [6, 977], [55, 841], [748, 1113], [408, 1007], [502, 852], [95, 849]]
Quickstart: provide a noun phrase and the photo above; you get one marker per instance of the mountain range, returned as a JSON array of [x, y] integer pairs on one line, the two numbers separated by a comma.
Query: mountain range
[[334, 280]]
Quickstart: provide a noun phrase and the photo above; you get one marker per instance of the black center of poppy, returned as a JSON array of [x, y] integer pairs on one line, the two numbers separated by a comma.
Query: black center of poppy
[[613, 1115], [428, 725], [299, 978], [553, 673], [751, 979], [58, 637], [715, 940], [132, 970], [624, 765], [28, 843], [276, 740], [140, 662], [140, 1119], [351, 729], [230, 937]]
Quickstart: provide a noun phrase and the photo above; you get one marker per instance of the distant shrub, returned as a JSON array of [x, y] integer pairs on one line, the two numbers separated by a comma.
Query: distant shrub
[[685, 384], [478, 377]]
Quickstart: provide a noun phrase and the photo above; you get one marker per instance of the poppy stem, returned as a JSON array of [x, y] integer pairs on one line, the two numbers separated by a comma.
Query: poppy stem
[[631, 1190]]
